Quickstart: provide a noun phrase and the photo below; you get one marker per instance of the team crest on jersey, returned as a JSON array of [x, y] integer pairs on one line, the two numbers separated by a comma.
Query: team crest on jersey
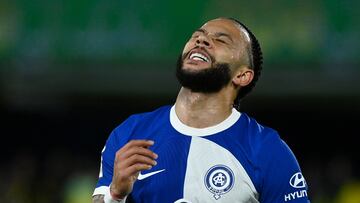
[[219, 180]]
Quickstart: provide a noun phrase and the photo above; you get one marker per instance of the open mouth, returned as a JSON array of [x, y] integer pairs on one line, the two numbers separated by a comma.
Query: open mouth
[[199, 57]]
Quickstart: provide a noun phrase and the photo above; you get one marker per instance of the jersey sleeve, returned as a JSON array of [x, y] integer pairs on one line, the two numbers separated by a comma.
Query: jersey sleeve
[[282, 180], [118, 138], [106, 166]]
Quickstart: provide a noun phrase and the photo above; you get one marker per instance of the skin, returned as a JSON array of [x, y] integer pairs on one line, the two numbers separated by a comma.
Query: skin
[[129, 161], [98, 199], [219, 39], [223, 40]]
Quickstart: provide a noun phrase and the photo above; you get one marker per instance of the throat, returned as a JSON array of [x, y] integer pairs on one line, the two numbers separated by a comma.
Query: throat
[[202, 110], [202, 117]]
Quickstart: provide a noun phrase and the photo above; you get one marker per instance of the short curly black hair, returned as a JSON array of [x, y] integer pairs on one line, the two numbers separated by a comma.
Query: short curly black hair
[[255, 60]]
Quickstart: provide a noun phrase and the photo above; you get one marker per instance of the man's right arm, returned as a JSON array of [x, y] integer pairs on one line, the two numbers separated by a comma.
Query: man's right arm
[[130, 159], [98, 199]]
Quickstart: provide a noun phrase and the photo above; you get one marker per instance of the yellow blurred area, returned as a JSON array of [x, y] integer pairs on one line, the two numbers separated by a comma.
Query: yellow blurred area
[[79, 189], [349, 193]]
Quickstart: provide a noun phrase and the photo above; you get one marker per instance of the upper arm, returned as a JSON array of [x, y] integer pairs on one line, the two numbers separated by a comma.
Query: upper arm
[[281, 176]]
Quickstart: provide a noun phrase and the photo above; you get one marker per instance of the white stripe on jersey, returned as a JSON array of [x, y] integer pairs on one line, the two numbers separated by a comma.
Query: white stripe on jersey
[[209, 154]]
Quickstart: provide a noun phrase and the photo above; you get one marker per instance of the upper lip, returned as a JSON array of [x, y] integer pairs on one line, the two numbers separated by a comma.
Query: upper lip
[[200, 51]]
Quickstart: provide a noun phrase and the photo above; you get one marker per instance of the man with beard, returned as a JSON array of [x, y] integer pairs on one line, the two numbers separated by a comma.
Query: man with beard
[[202, 149]]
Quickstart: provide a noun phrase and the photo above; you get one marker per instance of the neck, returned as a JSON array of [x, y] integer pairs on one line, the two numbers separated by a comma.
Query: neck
[[200, 110]]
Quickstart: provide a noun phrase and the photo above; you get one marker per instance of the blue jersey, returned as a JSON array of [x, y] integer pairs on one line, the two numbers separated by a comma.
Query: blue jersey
[[238, 160]]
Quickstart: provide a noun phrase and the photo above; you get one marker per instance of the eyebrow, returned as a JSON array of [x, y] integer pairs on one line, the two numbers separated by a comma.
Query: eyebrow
[[217, 34]]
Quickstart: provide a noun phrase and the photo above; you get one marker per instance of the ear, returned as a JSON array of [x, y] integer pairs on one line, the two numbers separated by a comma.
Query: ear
[[243, 76]]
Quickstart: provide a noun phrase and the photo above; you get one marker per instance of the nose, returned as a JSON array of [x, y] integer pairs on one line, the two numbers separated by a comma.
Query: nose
[[203, 41]]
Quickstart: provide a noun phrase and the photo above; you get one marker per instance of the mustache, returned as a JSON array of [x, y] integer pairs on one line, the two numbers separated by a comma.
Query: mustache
[[202, 49]]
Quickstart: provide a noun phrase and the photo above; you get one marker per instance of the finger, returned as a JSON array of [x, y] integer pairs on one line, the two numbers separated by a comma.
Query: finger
[[138, 150], [138, 143], [136, 168], [138, 159]]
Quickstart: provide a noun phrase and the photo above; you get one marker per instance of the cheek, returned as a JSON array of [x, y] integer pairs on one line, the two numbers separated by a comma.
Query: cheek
[[227, 57], [187, 47], [234, 57]]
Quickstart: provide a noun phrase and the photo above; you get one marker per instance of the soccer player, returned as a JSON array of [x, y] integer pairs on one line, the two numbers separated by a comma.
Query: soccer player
[[202, 149]]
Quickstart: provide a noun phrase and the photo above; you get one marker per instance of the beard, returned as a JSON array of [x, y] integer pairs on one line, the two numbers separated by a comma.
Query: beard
[[209, 80]]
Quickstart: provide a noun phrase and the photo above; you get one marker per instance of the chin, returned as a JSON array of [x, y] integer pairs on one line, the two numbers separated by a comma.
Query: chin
[[195, 67]]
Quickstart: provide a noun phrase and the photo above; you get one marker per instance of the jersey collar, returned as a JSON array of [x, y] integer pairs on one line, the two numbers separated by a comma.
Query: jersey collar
[[190, 131]]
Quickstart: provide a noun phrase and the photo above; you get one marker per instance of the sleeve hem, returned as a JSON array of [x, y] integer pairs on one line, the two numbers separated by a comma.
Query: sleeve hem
[[104, 190]]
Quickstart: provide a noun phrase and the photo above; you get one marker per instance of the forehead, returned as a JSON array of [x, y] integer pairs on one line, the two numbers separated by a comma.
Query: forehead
[[226, 26]]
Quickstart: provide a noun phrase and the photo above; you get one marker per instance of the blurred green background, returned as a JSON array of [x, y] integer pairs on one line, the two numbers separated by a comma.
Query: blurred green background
[[70, 71]]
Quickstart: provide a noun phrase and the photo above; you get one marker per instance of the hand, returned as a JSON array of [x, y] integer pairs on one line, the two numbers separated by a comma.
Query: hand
[[129, 161]]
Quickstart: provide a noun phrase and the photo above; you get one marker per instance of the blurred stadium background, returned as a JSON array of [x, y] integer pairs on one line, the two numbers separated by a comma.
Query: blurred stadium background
[[71, 71]]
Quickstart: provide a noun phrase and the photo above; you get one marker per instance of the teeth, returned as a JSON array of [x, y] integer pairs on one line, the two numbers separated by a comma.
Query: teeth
[[199, 57]]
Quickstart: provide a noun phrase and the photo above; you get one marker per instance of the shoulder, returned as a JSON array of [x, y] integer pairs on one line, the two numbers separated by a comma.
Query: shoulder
[[276, 163], [257, 135], [124, 132], [144, 118], [265, 141], [159, 112], [140, 121]]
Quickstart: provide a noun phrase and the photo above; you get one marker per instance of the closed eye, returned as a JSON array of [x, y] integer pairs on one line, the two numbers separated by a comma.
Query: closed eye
[[223, 37], [221, 41]]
